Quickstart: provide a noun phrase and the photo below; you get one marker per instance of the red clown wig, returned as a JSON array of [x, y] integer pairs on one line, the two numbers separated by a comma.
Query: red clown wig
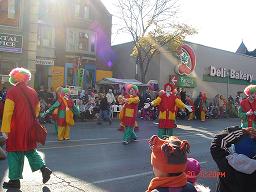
[[19, 75], [170, 85]]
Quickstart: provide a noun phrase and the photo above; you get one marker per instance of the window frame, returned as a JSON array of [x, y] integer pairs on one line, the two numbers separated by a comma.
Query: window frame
[[40, 31], [76, 32], [20, 10]]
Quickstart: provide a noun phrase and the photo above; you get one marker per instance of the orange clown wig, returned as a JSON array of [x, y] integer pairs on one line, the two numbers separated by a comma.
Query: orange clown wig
[[19, 75]]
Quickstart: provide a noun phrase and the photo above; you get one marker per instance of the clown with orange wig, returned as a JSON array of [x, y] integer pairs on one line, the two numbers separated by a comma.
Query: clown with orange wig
[[247, 111], [129, 113], [17, 127], [168, 103]]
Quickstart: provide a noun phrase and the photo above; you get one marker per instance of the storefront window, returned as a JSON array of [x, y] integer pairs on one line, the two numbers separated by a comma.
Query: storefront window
[[70, 76], [9, 12], [46, 36]]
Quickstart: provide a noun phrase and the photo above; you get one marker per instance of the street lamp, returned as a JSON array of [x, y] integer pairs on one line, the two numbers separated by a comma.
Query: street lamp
[[227, 75]]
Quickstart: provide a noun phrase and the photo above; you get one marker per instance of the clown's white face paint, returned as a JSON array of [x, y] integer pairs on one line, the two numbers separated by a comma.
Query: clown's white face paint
[[132, 92]]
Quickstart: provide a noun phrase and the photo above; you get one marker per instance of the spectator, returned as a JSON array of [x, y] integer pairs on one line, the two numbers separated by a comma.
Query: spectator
[[110, 97], [104, 110], [168, 159], [233, 180], [223, 104]]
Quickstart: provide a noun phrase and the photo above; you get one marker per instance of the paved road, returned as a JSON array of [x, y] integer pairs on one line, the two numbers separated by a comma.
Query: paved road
[[95, 159]]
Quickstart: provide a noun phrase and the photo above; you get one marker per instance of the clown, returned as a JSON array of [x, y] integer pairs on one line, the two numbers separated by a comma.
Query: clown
[[129, 113], [191, 115], [17, 127], [247, 110], [121, 101], [65, 110], [168, 103], [202, 106]]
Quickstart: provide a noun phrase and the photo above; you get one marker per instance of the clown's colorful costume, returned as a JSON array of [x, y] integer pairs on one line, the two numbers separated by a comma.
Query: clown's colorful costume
[[18, 126], [191, 115], [129, 114], [65, 110], [247, 109], [202, 106], [120, 100], [168, 103]]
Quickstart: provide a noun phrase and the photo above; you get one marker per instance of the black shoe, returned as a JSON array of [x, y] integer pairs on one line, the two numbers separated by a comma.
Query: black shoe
[[46, 173], [12, 184]]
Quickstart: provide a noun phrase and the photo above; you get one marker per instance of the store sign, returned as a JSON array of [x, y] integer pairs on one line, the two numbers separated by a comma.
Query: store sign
[[44, 62], [80, 77], [10, 43], [233, 74], [173, 79], [187, 63], [57, 79], [185, 81]]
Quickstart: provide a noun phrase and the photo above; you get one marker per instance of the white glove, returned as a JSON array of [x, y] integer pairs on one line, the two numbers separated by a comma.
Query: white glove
[[5, 135], [249, 113], [147, 105], [189, 108], [254, 112]]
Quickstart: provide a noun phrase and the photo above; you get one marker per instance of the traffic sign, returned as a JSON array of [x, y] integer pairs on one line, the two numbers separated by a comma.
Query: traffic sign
[[173, 79]]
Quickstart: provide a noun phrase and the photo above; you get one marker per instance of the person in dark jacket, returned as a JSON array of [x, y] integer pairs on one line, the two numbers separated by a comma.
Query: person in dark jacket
[[233, 180], [168, 159], [104, 110]]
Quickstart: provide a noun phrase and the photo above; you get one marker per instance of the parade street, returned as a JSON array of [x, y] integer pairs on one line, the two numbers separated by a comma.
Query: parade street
[[96, 160]]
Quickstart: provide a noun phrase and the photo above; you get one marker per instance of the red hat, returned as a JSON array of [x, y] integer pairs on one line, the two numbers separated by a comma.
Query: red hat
[[170, 155], [170, 85]]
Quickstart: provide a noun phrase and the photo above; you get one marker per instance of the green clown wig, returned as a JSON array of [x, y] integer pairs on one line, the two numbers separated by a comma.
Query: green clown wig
[[19, 75], [66, 90], [250, 89]]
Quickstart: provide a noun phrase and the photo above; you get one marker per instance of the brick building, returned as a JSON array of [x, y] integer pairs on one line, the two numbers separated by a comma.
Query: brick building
[[64, 42]]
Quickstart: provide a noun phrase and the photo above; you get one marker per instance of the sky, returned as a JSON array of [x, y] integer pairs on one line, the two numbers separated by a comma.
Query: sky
[[222, 24]]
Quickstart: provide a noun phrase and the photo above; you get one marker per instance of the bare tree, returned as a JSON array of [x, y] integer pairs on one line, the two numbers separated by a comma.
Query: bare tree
[[151, 23]]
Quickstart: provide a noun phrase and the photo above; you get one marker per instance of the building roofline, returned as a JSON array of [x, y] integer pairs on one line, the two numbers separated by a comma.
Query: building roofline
[[102, 4], [199, 45]]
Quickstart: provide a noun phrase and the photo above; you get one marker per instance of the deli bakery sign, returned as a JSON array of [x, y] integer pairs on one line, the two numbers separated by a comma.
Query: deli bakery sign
[[233, 74], [10, 43]]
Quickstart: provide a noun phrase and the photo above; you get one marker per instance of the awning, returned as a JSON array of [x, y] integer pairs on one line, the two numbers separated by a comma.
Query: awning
[[115, 81]]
